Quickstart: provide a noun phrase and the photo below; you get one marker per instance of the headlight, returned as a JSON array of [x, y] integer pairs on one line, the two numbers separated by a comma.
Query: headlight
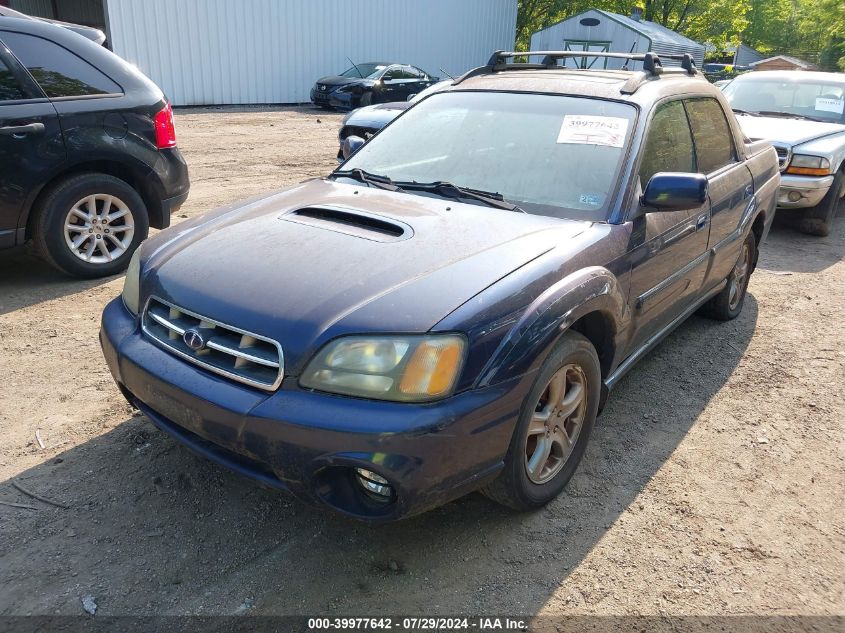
[[400, 368], [809, 165], [131, 288]]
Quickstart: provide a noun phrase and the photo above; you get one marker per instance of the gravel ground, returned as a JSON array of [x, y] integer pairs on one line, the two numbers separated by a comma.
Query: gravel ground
[[713, 484]]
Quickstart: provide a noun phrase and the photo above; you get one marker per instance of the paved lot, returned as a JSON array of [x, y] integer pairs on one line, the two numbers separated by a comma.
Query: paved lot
[[713, 485]]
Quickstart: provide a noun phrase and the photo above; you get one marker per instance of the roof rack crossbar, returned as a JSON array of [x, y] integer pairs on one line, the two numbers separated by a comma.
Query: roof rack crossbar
[[652, 63]]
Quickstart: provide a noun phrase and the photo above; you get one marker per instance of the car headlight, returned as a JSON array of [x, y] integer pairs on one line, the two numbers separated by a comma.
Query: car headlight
[[415, 368], [131, 284], [809, 165]]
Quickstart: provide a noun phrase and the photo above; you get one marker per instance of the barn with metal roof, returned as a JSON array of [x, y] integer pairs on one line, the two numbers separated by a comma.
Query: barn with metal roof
[[597, 30]]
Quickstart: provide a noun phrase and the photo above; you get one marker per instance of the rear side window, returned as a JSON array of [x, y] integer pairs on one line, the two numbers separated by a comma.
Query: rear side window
[[10, 89], [59, 72], [712, 135], [668, 146]]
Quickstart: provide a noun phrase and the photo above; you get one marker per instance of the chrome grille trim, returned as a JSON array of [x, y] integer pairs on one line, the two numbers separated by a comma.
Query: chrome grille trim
[[242, 356], [784, 156]]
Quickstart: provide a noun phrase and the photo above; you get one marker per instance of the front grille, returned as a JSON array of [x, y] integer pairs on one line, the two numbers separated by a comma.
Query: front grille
[[783, 156], [354, 130], [223, 349]]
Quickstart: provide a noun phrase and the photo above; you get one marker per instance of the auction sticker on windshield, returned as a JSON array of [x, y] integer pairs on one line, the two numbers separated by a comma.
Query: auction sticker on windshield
[[826, 104], [582, 129]]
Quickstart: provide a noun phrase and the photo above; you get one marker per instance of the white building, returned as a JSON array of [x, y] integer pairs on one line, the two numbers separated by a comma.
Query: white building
[[603, 31], [272, 51]]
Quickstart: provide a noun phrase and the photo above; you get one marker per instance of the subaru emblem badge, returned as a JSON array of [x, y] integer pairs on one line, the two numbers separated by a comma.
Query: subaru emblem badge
[[194, 340]]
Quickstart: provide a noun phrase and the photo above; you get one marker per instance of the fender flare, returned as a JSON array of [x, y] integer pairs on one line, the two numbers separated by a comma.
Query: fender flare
[[526, 345], [137, 168]]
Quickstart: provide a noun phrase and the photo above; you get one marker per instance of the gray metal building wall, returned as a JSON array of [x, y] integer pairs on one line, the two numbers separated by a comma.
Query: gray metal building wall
[[272, 51]]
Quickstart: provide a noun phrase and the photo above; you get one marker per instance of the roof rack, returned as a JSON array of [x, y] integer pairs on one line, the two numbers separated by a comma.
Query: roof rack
[[652, 64]]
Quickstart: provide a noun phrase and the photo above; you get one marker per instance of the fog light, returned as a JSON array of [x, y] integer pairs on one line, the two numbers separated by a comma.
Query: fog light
[[793, 196], [376, 485]]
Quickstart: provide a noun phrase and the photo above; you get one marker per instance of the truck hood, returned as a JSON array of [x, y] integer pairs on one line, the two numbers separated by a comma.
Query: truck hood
[[786, 132], [324, 259]]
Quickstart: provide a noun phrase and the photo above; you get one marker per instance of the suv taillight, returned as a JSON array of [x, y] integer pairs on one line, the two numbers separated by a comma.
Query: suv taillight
[[165, 130]]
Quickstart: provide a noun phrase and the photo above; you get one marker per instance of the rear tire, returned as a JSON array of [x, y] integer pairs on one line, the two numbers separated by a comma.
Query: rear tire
[[818, 220], [728, 304], [560, 417], [89, 225]]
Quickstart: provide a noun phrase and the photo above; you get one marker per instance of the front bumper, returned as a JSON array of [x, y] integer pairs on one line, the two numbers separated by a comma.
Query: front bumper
[[334, 99], [804, 191], [309, 442]]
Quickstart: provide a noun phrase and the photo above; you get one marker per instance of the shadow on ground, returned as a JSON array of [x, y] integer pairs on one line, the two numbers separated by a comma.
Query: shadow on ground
[[787, 250], [151, 529], [26, 280]]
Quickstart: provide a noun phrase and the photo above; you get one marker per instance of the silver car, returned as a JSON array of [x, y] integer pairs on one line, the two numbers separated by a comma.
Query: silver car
[[803, 115]]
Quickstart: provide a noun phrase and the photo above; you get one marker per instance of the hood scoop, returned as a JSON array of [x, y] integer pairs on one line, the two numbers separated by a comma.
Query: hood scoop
[[352, 222]]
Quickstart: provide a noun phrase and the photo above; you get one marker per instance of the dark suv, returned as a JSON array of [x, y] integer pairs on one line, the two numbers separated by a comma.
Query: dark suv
[[88, 158]]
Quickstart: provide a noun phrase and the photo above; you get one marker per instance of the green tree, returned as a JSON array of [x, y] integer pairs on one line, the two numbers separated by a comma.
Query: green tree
[[821, 26], [810, 29]]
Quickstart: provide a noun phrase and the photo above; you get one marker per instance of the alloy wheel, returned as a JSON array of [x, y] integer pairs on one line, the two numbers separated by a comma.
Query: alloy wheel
[[740, 277], [556, 424], [99, 228]]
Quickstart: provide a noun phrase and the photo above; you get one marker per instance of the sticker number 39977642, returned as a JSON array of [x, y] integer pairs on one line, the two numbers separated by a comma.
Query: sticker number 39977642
[[581, 129]]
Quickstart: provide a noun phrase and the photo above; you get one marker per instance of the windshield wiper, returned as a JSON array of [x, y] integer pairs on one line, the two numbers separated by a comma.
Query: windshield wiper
[[451, 190], [788, 115], [748, 112], [373, 180]]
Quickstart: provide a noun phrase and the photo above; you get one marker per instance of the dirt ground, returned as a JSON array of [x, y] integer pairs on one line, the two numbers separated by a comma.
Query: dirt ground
[[714, 482]]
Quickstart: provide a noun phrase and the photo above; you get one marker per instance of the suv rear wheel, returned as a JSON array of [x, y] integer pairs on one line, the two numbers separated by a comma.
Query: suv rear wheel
[[89, 225]]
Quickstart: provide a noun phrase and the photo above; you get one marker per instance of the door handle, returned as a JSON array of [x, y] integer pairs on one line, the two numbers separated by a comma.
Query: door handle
[[701, 222], [19, 131]]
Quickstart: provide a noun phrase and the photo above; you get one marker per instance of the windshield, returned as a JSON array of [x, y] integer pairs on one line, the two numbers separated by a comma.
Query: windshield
[[368, 71], [819, 100], [551, 155]]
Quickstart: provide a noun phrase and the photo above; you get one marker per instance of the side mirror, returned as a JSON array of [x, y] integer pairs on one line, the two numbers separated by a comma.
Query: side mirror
[[350, 145], [670, 191]]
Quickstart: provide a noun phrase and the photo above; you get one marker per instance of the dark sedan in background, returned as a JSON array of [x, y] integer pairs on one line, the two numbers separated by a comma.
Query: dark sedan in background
[[366, 121], [368, 83]]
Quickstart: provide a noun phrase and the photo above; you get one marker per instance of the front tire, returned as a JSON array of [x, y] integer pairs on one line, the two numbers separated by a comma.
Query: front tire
[[728, 304], [89, 225], [554, 427], [818, 220]]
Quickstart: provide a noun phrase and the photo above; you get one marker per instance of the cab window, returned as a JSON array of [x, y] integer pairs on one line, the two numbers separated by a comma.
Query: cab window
[[668, 145], [711, 133]]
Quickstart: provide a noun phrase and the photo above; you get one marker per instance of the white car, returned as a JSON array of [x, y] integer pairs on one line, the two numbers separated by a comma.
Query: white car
[[803, 115]]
